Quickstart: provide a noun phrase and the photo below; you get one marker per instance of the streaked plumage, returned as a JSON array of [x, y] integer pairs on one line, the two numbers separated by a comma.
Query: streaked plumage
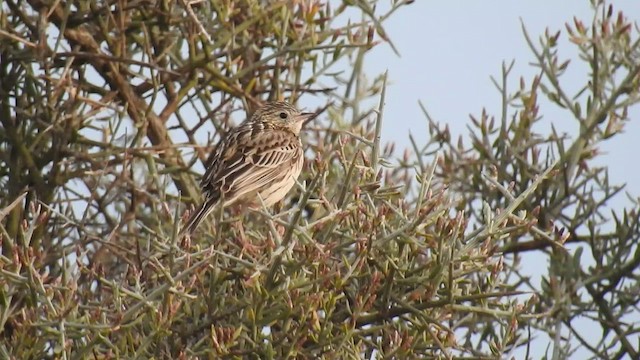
[[263, 157]]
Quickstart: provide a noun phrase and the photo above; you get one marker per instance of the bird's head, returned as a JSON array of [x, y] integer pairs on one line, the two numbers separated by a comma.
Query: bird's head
[[282, 113]]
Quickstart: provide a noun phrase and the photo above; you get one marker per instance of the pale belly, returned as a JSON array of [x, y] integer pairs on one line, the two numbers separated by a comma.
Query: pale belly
[[277, 191]]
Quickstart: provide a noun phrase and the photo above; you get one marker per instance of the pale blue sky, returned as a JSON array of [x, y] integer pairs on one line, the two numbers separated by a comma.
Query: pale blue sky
[[449, 50]]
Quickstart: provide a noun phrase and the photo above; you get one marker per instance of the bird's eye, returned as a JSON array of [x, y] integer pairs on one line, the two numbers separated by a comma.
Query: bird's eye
[[283, 115]]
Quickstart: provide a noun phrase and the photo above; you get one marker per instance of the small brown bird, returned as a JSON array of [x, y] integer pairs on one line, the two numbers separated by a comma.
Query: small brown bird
[[262, 157]]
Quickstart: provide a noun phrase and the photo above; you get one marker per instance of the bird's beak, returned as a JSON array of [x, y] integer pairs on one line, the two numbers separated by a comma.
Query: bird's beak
[[305, 118], [301, 120]]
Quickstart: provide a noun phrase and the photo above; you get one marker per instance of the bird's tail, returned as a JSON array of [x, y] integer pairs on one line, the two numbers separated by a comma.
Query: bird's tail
[[195, 219]]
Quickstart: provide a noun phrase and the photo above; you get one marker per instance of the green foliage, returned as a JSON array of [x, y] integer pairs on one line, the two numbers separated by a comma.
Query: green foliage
[[370, 257]]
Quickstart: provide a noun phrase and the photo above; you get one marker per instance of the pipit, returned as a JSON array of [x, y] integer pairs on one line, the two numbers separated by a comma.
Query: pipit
[[262, 157]]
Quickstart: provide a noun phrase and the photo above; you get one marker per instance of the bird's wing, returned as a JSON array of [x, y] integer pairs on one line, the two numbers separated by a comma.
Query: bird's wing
[[250, 161]]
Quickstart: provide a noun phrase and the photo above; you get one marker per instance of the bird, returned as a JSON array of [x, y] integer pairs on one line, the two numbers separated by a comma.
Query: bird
[[262, 157]]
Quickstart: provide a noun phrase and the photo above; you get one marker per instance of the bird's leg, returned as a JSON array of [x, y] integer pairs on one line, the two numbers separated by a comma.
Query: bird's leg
[[281, 229], [244, 242]]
